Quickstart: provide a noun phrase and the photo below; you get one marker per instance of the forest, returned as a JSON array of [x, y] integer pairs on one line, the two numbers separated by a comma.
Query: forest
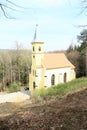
[[77, 54], [14, 67]]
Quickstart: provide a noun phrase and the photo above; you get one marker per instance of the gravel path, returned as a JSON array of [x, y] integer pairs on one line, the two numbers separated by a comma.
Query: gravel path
[[13, 97]]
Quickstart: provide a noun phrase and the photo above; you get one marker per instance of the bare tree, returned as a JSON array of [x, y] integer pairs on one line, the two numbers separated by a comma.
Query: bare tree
[[83, 10], [84, 4], [7, 4]]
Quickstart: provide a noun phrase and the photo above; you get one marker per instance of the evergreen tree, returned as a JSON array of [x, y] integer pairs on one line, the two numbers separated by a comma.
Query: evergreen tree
[[82, 39]]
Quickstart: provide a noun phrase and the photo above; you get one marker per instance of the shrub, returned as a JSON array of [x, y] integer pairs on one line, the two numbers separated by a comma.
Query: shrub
[[14, 87]]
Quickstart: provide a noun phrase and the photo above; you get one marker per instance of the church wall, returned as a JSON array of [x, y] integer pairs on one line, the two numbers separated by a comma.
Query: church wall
[[43, 76], [59, 75], [38, 77], [36, 59], [30, 82]]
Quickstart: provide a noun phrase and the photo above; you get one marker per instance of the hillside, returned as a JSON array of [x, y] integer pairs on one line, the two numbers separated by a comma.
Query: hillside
[[68, 112]]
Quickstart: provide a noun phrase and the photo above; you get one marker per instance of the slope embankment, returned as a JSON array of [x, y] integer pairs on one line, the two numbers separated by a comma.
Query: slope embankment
[[51, 113]]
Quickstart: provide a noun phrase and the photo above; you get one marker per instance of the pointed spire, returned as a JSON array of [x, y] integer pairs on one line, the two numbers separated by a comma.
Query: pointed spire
[[36, 35]]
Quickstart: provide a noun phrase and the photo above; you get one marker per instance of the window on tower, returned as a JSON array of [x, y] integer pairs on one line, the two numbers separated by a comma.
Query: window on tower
[[34, 57], [39, 48], [33, 48]]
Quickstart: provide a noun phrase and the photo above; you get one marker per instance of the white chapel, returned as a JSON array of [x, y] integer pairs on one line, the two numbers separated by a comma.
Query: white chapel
[[48, 69]]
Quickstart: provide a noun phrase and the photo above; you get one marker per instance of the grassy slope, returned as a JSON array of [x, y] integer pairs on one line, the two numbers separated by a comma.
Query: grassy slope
[[63, 89]]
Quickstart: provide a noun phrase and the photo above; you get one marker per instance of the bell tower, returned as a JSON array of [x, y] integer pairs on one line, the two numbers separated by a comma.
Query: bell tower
[[37, 49], [37, 57]]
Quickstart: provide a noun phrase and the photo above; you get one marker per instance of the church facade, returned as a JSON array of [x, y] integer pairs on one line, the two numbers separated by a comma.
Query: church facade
[[48, 69]]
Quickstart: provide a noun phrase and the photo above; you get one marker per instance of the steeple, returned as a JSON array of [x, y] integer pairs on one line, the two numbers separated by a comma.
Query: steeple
[[37, 44], [36, 35]]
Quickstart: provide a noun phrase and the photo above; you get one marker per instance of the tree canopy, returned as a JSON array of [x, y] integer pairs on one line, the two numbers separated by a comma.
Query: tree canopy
[[82, 39]]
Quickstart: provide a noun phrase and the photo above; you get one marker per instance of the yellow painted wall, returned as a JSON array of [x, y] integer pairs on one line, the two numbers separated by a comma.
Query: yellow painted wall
[[37, 56]]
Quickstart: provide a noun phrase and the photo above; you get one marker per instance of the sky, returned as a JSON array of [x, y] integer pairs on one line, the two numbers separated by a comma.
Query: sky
[[58, 22]]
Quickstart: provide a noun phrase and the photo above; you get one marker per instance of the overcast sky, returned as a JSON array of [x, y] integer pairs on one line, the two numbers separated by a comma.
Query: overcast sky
[[58, 22]]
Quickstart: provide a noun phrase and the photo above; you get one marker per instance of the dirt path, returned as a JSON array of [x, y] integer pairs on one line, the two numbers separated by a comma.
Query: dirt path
[[13, 97], [52, 113]]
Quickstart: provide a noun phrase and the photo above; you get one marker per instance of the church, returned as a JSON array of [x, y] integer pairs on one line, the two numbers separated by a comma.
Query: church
[[48, 69]]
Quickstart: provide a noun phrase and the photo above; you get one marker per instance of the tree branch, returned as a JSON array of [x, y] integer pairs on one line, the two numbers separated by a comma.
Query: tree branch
[[82, 25], [3, 5], [8, 6], [3, 11], [15, 4], [84, 5]]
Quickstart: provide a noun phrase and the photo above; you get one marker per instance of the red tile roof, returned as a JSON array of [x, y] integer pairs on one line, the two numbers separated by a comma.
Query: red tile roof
[[56, 60]]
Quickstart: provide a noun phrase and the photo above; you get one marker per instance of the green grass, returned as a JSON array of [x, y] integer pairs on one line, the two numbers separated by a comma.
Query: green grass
[[62, 89]]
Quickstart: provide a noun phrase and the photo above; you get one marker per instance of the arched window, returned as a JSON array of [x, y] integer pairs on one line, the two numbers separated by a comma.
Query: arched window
[[34, 85], [33, 48], [65, 77], [39, 48], [34, 57], [53, 79]]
